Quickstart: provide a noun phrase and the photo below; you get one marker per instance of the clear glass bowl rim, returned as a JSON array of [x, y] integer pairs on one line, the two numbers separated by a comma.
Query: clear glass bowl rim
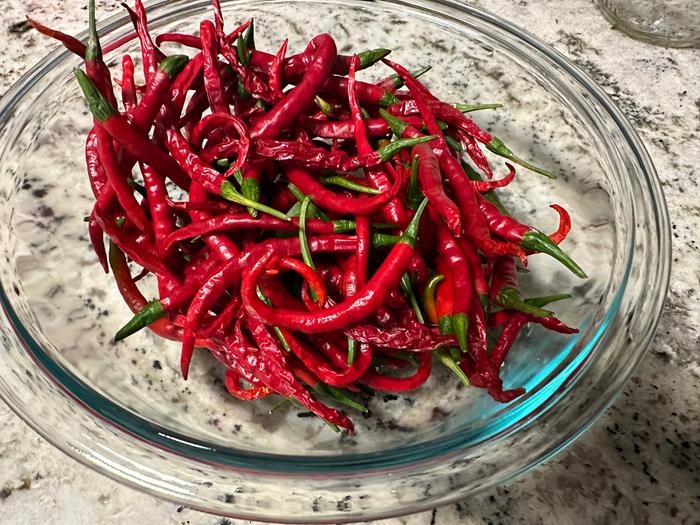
[[258, 461]]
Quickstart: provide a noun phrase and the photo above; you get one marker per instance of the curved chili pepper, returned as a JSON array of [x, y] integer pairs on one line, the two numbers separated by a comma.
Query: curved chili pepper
[[485, 186], [507, 227], [276, 71], [564, 224], [384, 383], [233, 385], [150, 53], [117, 126], [275, 374], [285, 112], [335, 202], [341, 315], [322, 370], [203, 300], [466, 197], [504, 289], [71, 43], [212, 79]]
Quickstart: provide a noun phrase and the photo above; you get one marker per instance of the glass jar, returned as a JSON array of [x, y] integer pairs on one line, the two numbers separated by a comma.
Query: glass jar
[[672, 23]]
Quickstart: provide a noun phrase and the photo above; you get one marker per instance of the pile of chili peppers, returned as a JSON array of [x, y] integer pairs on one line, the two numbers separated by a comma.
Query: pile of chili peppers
[[335, 235]]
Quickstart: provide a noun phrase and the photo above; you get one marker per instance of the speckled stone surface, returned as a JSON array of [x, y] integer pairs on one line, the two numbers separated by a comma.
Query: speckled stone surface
[[640, 463]]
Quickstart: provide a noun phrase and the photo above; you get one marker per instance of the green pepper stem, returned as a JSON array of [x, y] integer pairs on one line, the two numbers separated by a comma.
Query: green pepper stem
[[539, 242], [250, 189], [93, 51], [398, 81], [338, 395], [510, 299], [173, 64], [407, 289], [325, 107], [372, 56], [304, 242], [383, 240], [352, 350], [454, 144], [99, 107], [446, 359], [149, 314], [460, 322], [397, 125], [388, 99], [229, 193], [466, 108], [445, 325], [547, 299], [387, 151], [343, 182], [499, 148], [410, 236], [314, 211]]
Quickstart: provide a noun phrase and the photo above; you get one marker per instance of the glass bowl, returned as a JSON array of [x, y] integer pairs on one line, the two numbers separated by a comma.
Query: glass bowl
[[123, 408]]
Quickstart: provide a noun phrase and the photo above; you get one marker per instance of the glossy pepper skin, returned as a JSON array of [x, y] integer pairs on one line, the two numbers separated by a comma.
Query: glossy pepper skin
[[341, 315]]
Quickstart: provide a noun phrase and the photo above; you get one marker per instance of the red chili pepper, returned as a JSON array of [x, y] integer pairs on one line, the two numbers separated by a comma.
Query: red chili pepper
[[461, 283], [384, 383], [97, 70], [157, 91], [564, 224], [286, 112], [276, 72], [415, 338], [466, 196], [477, 156], [212, 80], [203, 300], [444, 298], [117, 179], [481, 285], [243, 221], [322, 370], [233, 385], [117, 126], [337, 203], [150, 53], [274, 372], [344, 129], [508, 228], [485, 186], [431, 184], [441, 110], [97, 240], [158, 206], [220, 122], [341, 315], [128, 87]]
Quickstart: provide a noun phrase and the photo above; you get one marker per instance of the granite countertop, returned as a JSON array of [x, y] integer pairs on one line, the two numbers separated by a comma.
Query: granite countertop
[[639, 463]]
